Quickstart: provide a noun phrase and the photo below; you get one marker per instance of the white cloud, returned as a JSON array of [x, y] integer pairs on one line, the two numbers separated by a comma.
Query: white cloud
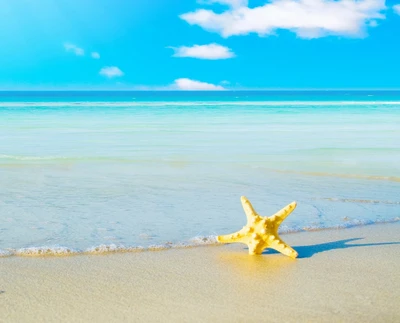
[[193, 85], [306, 18], [183, 84], [111, 71], [74, 49], [211, 51], [95, 55], [230, 3], [396, 8]]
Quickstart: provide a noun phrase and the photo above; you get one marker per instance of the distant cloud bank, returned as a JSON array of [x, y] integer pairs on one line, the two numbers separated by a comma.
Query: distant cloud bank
[[193, 85]]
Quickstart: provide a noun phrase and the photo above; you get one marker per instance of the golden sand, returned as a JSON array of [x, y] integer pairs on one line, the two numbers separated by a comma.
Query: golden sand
[[347, 275]]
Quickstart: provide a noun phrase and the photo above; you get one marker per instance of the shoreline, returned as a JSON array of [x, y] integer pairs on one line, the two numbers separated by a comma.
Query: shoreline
[[340, 275], [200, 241]]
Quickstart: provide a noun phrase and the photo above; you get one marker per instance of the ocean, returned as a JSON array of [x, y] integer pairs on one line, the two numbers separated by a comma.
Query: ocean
[[123, 171]]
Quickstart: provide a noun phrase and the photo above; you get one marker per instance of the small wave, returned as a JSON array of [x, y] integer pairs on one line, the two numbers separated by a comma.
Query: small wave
[[193, 243], [190, 103], [356, 176], [15, 157], [65, 159], [105, 249], [45, 251], [350, 224], [334, 199], [5, 253], [201, 241], [102, 249]]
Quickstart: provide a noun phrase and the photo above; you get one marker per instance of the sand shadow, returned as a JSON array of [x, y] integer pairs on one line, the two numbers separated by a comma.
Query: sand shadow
[[311, 250]]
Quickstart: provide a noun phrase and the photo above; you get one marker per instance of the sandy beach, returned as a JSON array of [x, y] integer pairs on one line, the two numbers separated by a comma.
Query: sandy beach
[[349, 275]]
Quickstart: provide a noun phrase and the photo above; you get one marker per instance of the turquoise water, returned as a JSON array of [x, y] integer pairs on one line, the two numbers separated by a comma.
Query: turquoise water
[[120, 170]]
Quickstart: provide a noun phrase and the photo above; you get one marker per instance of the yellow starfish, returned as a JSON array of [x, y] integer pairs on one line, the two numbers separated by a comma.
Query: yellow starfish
[[261, 232]]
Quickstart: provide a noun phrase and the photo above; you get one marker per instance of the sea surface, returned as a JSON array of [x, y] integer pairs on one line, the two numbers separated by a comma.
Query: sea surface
[[121, 171]]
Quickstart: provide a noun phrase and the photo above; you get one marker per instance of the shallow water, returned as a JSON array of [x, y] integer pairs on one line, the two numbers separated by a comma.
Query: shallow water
[[113, 171]]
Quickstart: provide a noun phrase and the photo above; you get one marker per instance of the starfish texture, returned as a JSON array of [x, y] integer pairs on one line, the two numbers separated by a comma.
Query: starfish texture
[[261, 232]]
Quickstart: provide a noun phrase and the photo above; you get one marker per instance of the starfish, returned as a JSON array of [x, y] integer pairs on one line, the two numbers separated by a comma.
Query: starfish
[[261, 232]]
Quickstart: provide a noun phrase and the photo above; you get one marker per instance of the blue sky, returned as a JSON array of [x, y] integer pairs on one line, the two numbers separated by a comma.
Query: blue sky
[[199, 44]]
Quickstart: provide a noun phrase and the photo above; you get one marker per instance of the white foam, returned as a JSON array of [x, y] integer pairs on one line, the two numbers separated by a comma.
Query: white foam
[[112, 248], [204, 240], [349, 224], [5, 253], [159, 247], [194, 242], [45, 251]]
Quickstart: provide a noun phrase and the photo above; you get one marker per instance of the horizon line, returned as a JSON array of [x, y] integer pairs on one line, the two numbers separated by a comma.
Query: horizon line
[[208, 91]]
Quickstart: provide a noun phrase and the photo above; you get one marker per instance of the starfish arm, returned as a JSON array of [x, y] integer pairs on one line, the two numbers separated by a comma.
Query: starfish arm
[[228, 238], [256, 248], [282, 247], [253, 250], [248, 209], [281, 215]]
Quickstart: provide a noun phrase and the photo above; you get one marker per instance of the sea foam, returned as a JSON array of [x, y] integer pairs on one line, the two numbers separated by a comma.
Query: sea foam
[[45, 251], [200, 241]]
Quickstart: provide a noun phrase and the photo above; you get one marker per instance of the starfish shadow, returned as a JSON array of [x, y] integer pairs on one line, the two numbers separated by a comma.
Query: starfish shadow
[[309, 251]]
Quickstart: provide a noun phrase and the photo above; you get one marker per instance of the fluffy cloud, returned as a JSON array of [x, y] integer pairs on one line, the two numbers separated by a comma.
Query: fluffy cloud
[[193, 85], [230, 3], [95, 55], [74, 49], [211, 51], [306, 18], [396, 9], [111, 71]]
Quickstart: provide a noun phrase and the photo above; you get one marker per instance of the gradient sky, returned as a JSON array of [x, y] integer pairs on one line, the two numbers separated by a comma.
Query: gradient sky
[[151, 44]]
